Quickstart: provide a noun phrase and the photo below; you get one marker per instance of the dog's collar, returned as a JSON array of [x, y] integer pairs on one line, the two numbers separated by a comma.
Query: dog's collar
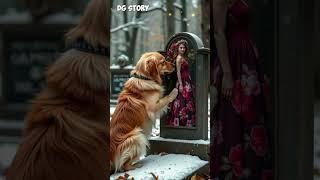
[[140, 77], [84, 46]]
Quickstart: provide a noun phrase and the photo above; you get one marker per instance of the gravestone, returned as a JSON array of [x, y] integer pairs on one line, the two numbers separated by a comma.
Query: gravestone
[[118, 78], [198, 59], [26, 53]]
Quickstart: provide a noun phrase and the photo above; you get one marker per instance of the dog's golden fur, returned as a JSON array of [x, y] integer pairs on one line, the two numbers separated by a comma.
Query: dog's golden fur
[[66, 133], [137, 104]]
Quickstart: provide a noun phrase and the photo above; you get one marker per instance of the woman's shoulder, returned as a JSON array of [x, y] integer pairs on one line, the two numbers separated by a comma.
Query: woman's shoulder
[[180, 57]]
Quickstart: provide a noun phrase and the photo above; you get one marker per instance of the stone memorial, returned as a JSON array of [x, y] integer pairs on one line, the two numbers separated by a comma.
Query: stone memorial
[[197, 57]]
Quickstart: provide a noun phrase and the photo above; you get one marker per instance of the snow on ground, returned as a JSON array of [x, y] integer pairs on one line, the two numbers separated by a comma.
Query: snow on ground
[[7, 152], [112, 108], [168, 167]]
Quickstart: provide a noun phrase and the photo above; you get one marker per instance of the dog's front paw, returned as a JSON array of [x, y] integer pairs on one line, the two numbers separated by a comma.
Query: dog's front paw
[[173, 94], [129, 166]]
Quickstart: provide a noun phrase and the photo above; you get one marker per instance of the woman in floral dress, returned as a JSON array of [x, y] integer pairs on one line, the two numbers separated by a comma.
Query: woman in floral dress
[[240, 144], [182, 109]]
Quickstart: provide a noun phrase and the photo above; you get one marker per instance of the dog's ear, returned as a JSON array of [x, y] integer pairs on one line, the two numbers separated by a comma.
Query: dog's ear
[[151, 67]]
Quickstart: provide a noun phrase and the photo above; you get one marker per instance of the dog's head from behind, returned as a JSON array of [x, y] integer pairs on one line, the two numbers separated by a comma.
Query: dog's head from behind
[[153, 65], [93, 26], [80, 75]]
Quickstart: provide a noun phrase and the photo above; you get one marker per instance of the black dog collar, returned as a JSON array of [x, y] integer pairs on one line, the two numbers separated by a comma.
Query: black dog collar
[[140, 76], [83, 46]]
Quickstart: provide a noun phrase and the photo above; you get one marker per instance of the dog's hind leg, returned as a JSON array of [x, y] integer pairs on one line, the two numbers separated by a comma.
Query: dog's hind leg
[[131, 150]]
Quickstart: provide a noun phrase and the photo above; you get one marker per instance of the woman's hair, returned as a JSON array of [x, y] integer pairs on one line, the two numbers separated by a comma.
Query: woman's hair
[[173, 50], [182, 41], [93, 26], [178, 43]]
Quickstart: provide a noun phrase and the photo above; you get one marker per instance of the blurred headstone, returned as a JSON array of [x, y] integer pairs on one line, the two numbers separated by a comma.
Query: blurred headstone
[[31, 38], [27, 51], [118, 77]]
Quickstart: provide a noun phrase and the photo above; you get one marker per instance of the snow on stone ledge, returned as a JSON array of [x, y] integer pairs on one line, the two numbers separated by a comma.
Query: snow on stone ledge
[[62, 18], [166, 167], [200, 141]]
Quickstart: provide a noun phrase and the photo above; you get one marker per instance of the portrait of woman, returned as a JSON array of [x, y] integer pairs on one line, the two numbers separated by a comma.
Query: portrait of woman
[[240, 144], [182, 109]]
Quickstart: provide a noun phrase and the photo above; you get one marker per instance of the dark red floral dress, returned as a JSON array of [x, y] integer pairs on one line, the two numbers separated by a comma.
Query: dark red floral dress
[[240, 144], [182, 109]]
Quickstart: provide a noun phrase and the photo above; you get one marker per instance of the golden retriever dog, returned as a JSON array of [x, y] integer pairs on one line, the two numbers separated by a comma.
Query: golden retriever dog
[[66, 133], [138, 103]]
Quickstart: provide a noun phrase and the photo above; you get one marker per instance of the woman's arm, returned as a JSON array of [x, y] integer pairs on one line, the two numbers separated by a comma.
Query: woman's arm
[[219, 10], [178, 65]]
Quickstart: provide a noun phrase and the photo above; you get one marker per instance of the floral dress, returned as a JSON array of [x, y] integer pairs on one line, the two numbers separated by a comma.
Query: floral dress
[[240, 144], [182, 109]]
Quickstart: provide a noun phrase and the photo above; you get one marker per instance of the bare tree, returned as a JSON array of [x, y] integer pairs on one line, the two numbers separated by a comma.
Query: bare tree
[[205, 22], [170, 18], [125, 21], [134, 34], [184, 26], [164, 25]]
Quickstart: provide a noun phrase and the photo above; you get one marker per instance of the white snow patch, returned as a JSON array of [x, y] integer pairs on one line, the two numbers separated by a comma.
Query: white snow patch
[[12, 16], [167, 167], [200, 141], [113, 66], [7, 153], [112, 108]]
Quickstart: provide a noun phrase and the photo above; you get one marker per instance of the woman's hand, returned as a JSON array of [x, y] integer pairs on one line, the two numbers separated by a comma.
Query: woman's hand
[[180, 88], [227, 85]]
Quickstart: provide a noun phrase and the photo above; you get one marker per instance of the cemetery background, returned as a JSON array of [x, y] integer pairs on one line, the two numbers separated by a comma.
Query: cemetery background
[[274, 45], [134, 33], [14, 12]]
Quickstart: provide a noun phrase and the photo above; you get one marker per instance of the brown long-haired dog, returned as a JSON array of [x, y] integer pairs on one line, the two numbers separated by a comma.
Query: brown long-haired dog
[[132, 119], [66, 135]]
